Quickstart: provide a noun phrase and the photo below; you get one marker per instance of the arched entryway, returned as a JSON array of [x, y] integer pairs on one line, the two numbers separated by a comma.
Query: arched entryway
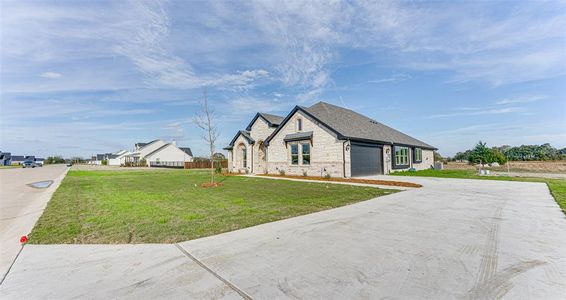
[[261, 158], [241, 157]]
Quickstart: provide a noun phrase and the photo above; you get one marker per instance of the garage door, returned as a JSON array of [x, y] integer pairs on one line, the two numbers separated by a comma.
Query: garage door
[[366, 159]]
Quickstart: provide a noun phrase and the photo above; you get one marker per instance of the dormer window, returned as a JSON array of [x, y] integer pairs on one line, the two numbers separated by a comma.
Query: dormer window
[[299, 125]]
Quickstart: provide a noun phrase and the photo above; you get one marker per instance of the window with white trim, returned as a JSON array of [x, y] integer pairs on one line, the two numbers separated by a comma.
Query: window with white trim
[[418, 155], [401, 156], [294, 154]]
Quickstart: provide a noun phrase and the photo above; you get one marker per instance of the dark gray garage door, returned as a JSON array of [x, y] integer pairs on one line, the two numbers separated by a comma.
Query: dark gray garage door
[[366, 160]]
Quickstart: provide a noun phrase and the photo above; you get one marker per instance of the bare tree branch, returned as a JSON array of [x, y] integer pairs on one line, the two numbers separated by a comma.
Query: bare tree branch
[[205, 121]]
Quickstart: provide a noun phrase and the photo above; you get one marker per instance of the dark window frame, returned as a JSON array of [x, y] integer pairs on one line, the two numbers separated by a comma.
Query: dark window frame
[[415, 150], [308, 145], [296, 146], [394, 160]]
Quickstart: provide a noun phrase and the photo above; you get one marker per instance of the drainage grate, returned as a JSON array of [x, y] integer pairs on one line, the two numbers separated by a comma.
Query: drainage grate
[[41, 184]]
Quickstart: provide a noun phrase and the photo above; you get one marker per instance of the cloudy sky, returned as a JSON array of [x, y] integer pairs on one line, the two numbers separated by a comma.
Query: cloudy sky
[[81, 77]]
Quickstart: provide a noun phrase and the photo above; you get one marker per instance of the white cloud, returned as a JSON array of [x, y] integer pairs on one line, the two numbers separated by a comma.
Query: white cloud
[[521, 99], [393, 79], [51, 75], [479, 112]]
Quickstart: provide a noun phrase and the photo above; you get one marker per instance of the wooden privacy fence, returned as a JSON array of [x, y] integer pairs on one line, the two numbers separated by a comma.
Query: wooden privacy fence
[[204, 164]]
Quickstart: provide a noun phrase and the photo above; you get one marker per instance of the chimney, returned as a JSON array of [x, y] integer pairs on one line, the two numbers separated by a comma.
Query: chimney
[[174, 142]]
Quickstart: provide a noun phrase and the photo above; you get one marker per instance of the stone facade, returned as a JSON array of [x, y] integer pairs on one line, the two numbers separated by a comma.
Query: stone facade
[[328, 154]]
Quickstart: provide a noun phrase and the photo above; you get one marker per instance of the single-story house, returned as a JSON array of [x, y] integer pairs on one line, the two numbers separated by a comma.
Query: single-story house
[[117, 158], [5, 158], [322, 140], [157, 153]]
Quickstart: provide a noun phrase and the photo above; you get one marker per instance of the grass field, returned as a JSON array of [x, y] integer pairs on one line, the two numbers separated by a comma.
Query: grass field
[[557, 186], [171, 206]]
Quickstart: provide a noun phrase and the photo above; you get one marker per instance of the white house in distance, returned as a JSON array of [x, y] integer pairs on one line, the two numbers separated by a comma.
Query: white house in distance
[[325, 139], [156, 153]]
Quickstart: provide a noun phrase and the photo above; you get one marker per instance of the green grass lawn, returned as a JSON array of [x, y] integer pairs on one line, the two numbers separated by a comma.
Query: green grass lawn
[[171, 206], [10, 167], [557, 186]]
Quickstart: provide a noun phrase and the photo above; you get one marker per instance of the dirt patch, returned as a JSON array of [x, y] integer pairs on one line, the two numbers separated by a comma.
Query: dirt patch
[[351, 180], [517, 166], [211, 184]]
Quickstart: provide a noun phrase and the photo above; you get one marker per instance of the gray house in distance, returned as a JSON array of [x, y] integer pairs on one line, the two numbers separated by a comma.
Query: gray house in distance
[[324, 139], [5, 158]]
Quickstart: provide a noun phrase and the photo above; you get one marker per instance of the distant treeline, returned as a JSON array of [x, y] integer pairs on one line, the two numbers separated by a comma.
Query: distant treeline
[[503, 153]]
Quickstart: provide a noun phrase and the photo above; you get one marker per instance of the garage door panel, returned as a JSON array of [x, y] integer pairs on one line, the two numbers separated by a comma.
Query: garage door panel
[[366, 160]]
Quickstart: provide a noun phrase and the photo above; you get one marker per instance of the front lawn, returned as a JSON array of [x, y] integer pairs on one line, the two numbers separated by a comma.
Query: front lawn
[[557, 186], [171, 206]]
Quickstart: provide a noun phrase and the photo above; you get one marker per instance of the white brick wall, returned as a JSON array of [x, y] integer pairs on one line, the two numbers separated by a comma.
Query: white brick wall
[[260, 130], [326, 151]]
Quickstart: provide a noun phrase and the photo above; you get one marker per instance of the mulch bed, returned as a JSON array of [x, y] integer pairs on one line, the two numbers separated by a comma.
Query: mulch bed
[[353, 180]]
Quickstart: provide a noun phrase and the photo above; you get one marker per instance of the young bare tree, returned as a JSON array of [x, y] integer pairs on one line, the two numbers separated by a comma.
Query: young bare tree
[[205, 121]]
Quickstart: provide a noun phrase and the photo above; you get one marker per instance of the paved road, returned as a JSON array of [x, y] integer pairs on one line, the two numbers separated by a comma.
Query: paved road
[[450, 239], [21, 206]]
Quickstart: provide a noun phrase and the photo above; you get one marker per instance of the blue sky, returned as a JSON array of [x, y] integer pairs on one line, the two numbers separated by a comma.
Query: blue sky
[[85, 77]]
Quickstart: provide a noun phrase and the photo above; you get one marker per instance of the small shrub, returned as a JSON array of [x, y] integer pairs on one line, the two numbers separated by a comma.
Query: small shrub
[[327, 176], [218, 169], [104, 162], [282, 172], [247, 171], [305, 173]]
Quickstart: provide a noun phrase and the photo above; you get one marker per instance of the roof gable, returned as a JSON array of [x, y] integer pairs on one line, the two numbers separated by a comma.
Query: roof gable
[[271, 120], [158, 149], [245, 134], [308, 114]]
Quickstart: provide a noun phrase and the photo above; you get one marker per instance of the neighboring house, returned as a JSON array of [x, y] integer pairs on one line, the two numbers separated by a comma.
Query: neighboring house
[[324, 139], [117, 158], [159, 153], [169, 155], [18, 159], [5, 158]]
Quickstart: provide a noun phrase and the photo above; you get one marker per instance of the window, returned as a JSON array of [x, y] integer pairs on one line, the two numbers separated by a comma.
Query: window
[[294, 154], [244, 158], [306, 153], [418, 155], [401, 156], [299, 125]]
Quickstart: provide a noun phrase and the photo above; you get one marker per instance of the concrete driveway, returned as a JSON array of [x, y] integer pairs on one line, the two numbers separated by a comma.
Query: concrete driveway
[[450, 239], [21, 206]]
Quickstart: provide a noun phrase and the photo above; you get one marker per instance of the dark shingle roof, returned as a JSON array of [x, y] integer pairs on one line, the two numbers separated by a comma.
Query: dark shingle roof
[[353, 125], [187, 150], [245, 134], [299, 136], [273, 119], [141, 145], [18, 158]]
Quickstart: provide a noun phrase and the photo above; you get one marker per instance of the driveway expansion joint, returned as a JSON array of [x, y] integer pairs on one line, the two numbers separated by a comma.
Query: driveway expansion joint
[[224, 280]]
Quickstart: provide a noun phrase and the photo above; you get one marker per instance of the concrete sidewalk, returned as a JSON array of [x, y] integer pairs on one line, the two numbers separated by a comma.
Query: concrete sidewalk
[[453, 238], [21, 206]]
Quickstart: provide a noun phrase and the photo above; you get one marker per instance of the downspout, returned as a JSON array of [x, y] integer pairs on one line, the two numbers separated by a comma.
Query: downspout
[[344, 158], [252, 147]]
